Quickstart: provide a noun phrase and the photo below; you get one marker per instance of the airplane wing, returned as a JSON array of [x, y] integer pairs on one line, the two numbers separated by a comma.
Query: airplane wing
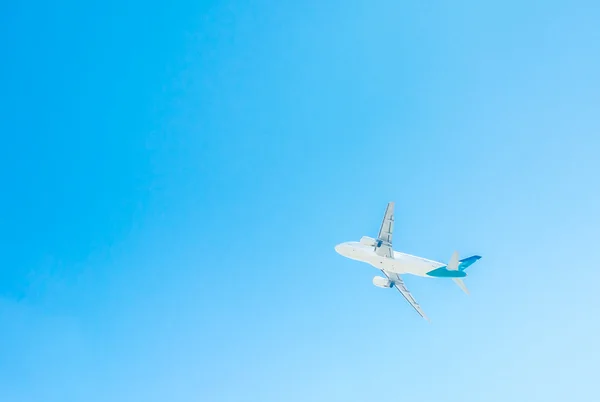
[[399, 284], [384, 239], [384, 249]]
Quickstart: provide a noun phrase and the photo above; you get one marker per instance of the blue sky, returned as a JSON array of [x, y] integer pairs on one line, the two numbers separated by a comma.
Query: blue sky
[[176, 176]]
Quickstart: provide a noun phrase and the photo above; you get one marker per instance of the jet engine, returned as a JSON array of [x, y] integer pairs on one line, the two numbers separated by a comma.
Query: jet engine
[[382, 282], [368, 241]]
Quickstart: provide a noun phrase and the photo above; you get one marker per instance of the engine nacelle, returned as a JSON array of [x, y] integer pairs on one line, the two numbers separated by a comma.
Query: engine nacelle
[[381, 282], [368, 241]]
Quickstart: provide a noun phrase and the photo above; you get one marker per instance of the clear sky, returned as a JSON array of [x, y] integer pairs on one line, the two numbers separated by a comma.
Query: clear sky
[[175, 176]]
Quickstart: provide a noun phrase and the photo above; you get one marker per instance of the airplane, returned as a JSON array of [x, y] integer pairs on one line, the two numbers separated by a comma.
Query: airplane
[[379, 253]]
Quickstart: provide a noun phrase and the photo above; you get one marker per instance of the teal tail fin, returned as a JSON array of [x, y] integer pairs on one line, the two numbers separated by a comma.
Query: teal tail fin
[[467, 262], [455, 270], [461, 265]]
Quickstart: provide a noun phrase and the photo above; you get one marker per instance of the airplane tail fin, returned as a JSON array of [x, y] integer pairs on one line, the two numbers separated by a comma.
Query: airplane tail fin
[[460, 265], [467, 262]]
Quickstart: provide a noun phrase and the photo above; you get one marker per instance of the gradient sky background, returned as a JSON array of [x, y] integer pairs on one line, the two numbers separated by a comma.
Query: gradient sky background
[[175, 176]]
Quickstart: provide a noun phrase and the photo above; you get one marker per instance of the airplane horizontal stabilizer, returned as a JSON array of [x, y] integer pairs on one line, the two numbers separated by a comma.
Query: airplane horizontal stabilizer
[[461, 284]]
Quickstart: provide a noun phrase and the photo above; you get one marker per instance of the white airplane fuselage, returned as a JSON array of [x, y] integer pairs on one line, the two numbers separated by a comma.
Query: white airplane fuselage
[[402, 263]]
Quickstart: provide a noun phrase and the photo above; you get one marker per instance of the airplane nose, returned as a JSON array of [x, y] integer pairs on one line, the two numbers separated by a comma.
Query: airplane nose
[[338, 249]]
